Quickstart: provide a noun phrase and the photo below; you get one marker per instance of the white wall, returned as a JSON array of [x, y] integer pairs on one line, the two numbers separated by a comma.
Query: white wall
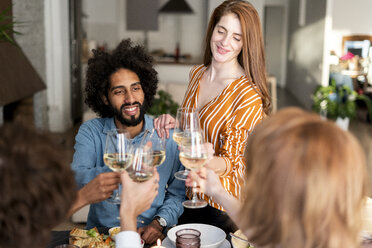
[[100, 23], [350, 18], [306, 49], [45, 41], [57, 51], [106, 22]]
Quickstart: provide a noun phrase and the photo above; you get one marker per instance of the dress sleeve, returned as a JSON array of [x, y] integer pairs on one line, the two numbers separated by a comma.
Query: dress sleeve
[[234, 139]]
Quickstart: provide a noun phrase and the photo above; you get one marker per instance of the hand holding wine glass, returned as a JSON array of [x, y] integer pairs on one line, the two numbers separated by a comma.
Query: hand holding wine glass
[[136, 198], [193, 155], [117, 155], [186, 119]]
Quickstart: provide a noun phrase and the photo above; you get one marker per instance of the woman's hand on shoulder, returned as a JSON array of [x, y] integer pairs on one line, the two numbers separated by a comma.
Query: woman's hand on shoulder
[[163, 123]]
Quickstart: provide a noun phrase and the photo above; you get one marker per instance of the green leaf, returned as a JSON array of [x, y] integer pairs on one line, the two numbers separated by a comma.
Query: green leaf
[[7, 28], [163, 104]]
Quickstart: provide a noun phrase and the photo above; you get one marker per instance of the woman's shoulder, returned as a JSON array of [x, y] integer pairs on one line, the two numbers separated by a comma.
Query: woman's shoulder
[[197, 69], [245, 85]]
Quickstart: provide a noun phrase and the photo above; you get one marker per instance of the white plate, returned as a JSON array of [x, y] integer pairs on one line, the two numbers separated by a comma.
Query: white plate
[[168, 244]]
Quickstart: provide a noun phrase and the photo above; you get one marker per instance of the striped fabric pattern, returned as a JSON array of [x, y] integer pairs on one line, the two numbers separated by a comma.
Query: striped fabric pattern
[[227, 121]]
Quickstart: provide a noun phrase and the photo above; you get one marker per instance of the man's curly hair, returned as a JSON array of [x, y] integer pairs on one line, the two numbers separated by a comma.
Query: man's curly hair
[[103, 65]]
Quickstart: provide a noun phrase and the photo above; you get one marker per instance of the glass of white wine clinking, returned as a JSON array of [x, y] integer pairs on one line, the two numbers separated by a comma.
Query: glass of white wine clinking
[[117, 155], [158, 146], [186, 119], [193, 155], [141, 168]]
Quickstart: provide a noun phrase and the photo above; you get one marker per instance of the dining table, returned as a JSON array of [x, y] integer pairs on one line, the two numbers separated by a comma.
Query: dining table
[[62, 237]]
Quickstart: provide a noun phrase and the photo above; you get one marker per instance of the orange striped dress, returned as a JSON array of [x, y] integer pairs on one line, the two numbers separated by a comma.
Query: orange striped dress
[[227, 121]]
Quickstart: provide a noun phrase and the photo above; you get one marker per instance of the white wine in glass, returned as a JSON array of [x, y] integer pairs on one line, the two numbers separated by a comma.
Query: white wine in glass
[[194, 155], [158, 158], [186, 119], [193, 163], [177, 137], [158, 147], [141, 168], [117, 155], [116, 161]]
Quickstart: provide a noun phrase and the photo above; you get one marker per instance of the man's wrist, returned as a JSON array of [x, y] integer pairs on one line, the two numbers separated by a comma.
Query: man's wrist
[[160, 222]]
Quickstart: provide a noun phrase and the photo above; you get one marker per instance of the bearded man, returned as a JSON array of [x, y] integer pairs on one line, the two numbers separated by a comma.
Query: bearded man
[[120, 87]]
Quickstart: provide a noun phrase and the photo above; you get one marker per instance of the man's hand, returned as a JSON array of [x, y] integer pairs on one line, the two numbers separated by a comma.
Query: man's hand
[[151, 233], [101, 187], [97, 190]]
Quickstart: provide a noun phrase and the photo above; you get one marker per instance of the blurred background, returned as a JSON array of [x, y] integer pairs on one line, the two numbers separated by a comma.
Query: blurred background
[[43, 65]]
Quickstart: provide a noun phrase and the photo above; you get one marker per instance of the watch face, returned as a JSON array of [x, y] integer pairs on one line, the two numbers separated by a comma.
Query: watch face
[[162, 221]]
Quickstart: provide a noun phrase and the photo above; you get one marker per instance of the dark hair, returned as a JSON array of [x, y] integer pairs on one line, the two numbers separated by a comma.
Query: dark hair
[[103, 65], [36, 187], [252, 56]]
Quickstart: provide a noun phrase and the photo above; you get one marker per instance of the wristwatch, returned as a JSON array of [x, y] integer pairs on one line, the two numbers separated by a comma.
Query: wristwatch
[[162, 222]]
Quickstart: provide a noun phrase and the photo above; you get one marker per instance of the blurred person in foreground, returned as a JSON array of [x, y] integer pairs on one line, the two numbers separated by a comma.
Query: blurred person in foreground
[[305, 184], [38, 190], [120, 88]]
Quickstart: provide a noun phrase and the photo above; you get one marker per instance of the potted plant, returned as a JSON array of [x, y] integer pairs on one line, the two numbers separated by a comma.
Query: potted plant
[[7, 24], [339, 103], [163, 104]]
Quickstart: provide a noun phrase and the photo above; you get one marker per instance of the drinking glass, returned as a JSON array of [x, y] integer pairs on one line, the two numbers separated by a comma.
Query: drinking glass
[[186, 119], [117, 155], [188, 238], [141, 168], [158, 147], [193, 155]]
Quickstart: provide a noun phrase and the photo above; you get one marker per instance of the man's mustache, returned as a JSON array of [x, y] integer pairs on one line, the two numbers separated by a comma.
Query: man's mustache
[[130, 104]]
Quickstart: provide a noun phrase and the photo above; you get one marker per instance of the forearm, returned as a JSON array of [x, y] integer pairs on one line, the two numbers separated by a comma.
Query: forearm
[[80, 202], [128, 222], [231, 204]]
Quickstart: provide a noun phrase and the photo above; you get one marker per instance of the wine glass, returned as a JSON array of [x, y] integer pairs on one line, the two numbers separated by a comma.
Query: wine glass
[[141, 168], [117, 155], [186, 119], [193, 155], [158, 147]]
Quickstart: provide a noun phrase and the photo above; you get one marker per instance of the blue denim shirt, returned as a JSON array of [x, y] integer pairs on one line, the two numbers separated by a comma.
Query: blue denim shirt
[[88, 163]]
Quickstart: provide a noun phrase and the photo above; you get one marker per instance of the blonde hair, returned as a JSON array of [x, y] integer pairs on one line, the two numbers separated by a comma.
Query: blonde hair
[[305, 183], [252, 56]]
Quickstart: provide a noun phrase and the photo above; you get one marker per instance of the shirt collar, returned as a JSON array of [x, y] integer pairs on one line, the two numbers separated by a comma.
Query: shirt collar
[[148, 124]]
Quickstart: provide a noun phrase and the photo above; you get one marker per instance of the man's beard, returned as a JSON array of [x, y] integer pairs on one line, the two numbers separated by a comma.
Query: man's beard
[[133, 121]]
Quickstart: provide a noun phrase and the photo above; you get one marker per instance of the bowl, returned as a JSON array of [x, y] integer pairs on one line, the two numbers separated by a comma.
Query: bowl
[[211, 236], [113, 231], [237, 243]]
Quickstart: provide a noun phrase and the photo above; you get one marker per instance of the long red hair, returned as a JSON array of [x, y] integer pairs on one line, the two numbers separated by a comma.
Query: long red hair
[[252, 56]]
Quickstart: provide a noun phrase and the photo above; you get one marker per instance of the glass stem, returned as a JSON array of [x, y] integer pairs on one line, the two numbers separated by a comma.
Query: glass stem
[[194, 195]]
